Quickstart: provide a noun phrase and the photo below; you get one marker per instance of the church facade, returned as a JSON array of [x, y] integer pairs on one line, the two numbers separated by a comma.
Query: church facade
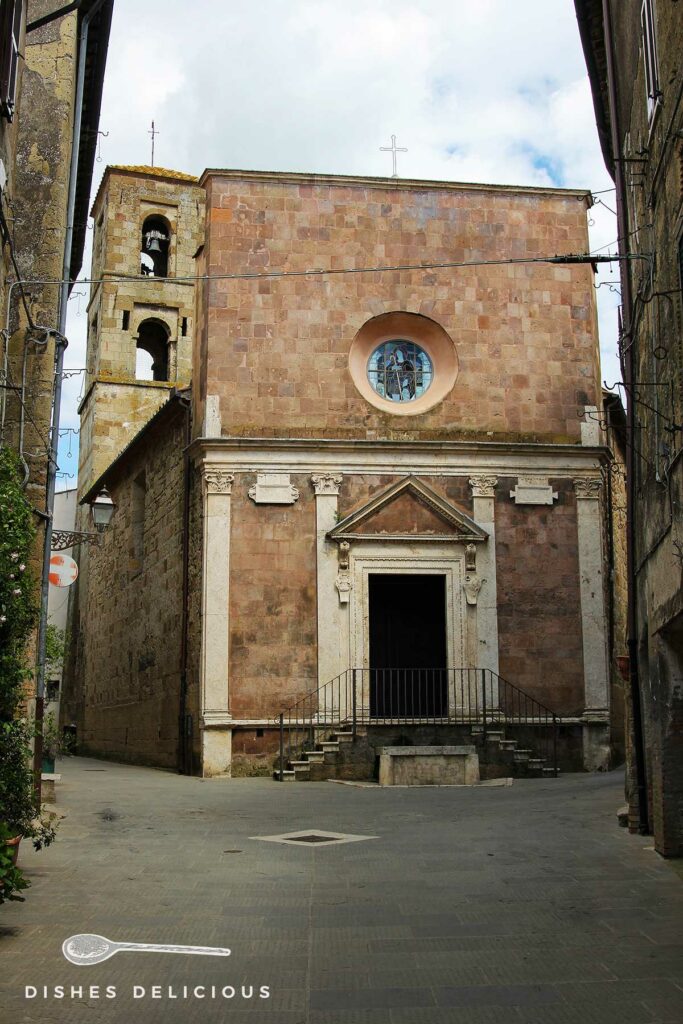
[[380, 466]]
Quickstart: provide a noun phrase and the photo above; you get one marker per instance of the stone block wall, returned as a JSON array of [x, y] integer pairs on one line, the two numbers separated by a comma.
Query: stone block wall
[[273, 628], [539, 606], [276, 350]]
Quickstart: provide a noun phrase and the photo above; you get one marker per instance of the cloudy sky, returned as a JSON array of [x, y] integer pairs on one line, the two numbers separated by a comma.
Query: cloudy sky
[[491, 92]]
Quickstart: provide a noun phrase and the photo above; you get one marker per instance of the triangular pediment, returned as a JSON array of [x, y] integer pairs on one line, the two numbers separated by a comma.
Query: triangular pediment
[[408, 510]]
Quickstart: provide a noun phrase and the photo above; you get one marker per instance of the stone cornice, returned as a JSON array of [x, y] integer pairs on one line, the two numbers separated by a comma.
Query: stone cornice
[[461, 526], [585, 453], [394, 184]]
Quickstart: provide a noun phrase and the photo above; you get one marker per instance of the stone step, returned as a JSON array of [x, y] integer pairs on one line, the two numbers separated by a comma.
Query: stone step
[[521, 754], [551, 771], [300, 766], [329, 746], [287, 776], [343, 737], [494, 736], [508, 744], [536, 762], [315, 756]]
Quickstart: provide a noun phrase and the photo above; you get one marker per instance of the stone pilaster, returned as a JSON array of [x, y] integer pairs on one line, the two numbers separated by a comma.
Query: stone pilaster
[[216, 719], [483, 500], [333, 618], [593, 624]]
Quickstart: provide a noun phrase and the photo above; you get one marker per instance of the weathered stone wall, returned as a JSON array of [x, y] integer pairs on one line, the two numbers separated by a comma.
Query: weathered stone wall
[[277, 350], [116, 405], [8, 150], [42, 135], [539, 608], [131, 612], [37, 148], [655, 227]]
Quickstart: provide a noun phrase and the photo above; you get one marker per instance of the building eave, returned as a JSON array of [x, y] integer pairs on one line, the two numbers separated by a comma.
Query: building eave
[[96, 60], [178, 400], [591, 30]]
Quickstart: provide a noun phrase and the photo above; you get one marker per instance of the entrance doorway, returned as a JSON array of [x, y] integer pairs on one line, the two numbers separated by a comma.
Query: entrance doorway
[[408, 658]]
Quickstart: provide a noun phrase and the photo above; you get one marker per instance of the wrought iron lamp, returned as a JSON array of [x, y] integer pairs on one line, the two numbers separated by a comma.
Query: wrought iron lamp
[[102, 509]]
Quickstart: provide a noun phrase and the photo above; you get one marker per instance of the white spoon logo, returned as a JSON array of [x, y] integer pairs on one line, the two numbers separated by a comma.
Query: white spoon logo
[[86, 950]]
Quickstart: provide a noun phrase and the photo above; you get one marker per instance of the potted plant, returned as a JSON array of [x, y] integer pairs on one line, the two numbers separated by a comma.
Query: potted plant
[[12, 880], [54, 744]]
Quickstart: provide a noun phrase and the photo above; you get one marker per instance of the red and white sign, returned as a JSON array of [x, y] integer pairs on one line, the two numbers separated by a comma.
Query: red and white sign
[[63, 571]]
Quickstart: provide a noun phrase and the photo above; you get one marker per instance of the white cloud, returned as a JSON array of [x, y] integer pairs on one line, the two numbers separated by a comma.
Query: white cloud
[[490, 91]]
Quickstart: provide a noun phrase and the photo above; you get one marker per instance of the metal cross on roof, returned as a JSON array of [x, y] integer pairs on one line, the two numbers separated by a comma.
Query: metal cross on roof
[[393, 149], [153, 132]]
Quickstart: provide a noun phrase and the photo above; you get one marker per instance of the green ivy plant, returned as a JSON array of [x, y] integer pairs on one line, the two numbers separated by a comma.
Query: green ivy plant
[[55, 645], [20, 814], [20, 810], [18, 608]]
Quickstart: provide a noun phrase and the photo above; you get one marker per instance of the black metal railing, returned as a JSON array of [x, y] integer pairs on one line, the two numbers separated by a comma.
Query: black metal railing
[[417, 696]]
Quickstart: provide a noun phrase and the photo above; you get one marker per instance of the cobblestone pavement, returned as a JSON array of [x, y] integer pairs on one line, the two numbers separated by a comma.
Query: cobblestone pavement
[[522, 905]]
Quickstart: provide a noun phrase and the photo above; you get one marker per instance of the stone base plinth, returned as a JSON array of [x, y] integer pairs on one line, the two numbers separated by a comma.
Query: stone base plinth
[[428, 766], [216, 751], [48, 787], [596, 743]]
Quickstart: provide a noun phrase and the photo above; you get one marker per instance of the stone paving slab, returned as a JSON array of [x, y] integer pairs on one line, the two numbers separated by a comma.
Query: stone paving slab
[[506, 905]]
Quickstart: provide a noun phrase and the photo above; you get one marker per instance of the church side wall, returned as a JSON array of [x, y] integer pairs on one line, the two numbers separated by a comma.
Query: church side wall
[[539, 618], [194, 620], [131, 621]]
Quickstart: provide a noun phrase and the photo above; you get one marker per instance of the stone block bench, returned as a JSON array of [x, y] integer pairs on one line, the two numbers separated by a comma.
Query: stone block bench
[[428, 766]]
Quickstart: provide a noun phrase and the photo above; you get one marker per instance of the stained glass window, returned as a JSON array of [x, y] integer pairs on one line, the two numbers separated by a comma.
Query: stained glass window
[[400, 371]]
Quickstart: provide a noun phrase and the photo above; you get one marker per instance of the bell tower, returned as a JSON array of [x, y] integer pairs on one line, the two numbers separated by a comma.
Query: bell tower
[[149, 224]]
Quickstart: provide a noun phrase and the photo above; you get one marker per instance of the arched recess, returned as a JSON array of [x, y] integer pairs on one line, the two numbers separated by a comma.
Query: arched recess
[[155, 246], [152, 360]]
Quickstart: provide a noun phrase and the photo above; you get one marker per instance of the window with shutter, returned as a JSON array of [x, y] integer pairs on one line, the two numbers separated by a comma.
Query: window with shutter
[[10, 29], [647, 23]]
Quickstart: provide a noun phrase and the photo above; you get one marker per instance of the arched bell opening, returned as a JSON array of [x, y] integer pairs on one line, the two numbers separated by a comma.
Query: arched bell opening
[[152, 356], [154, 247]]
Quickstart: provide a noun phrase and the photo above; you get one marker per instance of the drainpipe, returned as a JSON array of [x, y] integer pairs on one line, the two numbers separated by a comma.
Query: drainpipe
[[60, 346], [629, 377], [184, 751]]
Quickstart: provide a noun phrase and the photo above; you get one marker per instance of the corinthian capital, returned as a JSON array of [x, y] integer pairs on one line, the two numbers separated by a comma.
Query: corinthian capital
[[218, 481], [326, 483], [588, 487], [483, 486]]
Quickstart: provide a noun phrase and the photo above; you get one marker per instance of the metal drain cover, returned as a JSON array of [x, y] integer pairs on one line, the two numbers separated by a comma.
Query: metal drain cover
[[313, 837]]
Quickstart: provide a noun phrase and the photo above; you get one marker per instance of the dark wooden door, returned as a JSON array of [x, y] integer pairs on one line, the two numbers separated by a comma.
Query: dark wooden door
[[408, 657]]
